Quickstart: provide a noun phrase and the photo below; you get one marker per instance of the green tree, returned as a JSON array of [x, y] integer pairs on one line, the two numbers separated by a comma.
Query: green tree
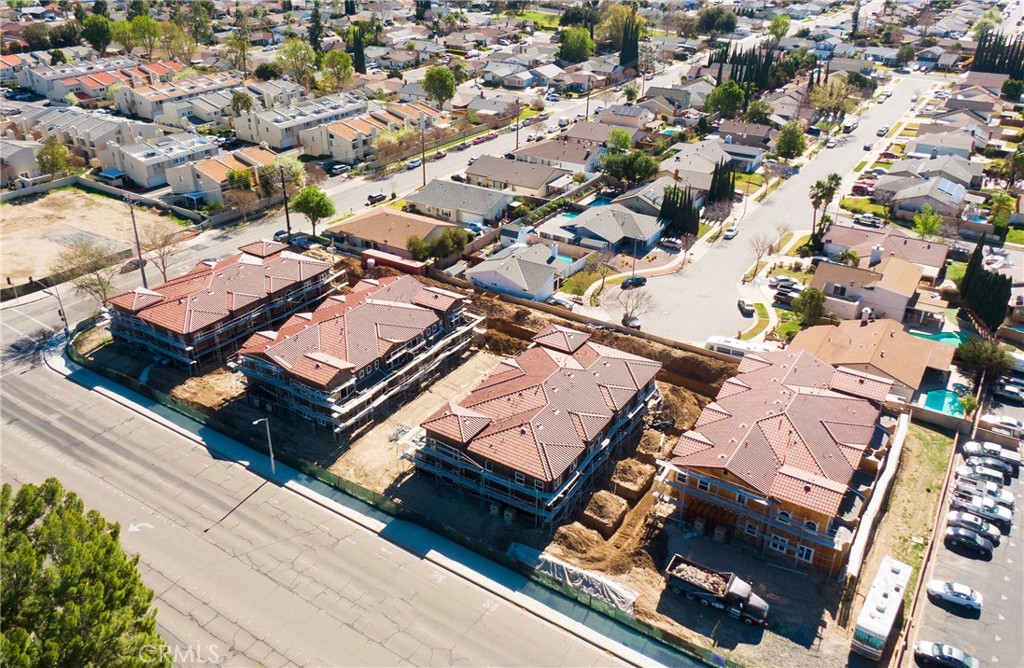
[[147, 33], [810, 306], [817, 198], [969, 404], [37, 36], [237, 49], [452, 240], [726, 99], [1002, 205], [981, 355], [137, 8], [198, 20], [314, 204], [268, 71], [439, 85], [79, 11], [758, 111], [630, 168], [315, 30], [791, 142], [585, 17], [620, 140], [575, 45], [613, 24], [297, 60], [96, 31], [241, 102], [240, 179], [65, 35], [630, 92], [715, 21], [629, 56], [338, 70], [121, 33], [418, 248], [1012, 88], [779, 27], [53, 157], [71, 596], [358, 49], [99, 8], [927, 223], [905, 54], [57, 57]]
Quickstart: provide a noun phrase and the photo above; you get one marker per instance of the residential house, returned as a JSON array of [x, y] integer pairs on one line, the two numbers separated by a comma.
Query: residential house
[[951, 167], [146, 163], [280, 127], [498, 73], [646, 198], [628, 116], [889, 289], [275, 93], [871, 246], [858, 65], [10, 67], [545, 74], [18, 160], [531, 272], [386, 229], [206, 181], [935, 145], [747, 134], [597, 134], [946, 198], [202, 317], [614, 227], [884, 55], [990, 81], [357, 355], [518, 176], [785, 458], [350, 140], [499, 106], [460, 203], [536, 433], [882, 349], [574, 155], [978, 100], [47, 80], [576, 81], [399, 59], [86, 133]]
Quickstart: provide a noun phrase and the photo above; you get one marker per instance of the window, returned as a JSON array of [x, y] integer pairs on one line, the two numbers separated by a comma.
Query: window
[[741, 499], [750, 529], [538, 485], [811, 526], [703, 485], [520, 478], [783, 517], [804, 553], [839, 290], [778, 543], [488, 466]]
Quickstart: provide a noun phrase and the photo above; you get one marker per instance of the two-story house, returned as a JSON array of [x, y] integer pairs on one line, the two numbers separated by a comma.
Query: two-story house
[[890, 289]]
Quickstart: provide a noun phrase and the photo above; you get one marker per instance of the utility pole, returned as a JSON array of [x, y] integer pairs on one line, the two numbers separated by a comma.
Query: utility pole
[[519, 113], [590, 87], [284, 193], [60, 305], [129, 201], [423, 152]]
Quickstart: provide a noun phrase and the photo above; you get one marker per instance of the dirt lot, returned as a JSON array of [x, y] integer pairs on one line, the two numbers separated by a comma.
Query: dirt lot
[[34, 230], [373, 460]]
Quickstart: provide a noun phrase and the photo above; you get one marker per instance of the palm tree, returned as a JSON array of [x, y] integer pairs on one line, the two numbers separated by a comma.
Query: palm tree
[[817, 195], [832, 183]]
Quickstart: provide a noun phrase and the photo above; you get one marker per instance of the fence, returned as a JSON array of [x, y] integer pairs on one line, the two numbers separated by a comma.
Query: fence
[[18, 193], [256, 441]]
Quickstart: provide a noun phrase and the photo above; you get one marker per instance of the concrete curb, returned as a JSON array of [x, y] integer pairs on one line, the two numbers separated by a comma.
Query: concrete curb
[[260, 464]]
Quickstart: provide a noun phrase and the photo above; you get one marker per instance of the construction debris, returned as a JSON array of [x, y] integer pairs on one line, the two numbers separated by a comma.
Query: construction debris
[[708, 580], [632, 478], [605, 513]]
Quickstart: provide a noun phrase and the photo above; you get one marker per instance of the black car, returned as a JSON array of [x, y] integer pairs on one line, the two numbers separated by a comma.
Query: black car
[[970, 540], [928, 653], [992, 463], [634, 282], [510, 156], [376, 197], [458, 178], [785, 297]]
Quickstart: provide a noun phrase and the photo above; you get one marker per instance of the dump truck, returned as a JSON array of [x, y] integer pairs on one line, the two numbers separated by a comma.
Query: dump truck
[[719, 590]]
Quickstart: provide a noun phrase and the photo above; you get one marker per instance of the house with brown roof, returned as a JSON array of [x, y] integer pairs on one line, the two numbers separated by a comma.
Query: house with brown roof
[[890, 289], [205, 181], [785, 458], [881, 348], [871, 246], [358, 354], [518, 176], [534, 434], [387, 229], [350, 140], [202, 317]]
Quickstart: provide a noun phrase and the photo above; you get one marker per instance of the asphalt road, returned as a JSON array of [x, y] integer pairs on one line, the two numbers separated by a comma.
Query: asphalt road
[[994, 637], [252, 572], [701, 301]]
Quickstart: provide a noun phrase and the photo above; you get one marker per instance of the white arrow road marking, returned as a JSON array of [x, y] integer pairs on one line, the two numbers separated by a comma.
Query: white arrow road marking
[[140, 526]]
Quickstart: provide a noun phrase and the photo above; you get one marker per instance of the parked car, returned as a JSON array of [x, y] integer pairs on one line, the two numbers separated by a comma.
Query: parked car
[[784, 297], [543, 117], [970, 521], [561, 303], [928, 653], [868, 219], [462, 146], [882, 131], [778, 281], [992, 463], [991, 490], [634, 282], [831, 143], [376, 197], [471, 160], [530, 137], [510, 156], [730, 232], [1009, 392], [439, 155], [877, 171], [955, 593], [888, 155], [280, 235], [458, 178], [133, 264], [413, 164], [868, 146], [985, 508], [987, 449], [632, 323], [581, 117], [970, 540], [979, 473], [339, 169], [10, 111], [745, 308], [479, 140]]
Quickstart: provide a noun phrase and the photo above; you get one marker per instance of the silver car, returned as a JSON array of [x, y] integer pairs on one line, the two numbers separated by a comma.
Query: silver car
[[968, 521], [979, 473], [954, 592]]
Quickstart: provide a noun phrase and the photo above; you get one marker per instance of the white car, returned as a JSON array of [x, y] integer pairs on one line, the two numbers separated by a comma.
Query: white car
[[954, 592], [831, 143], [730, 232]]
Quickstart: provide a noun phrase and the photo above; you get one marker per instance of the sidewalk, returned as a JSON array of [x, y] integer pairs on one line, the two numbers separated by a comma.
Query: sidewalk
[[599, 631]]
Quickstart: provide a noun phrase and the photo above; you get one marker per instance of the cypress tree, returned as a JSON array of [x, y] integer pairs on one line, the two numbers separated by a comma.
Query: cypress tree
[[358, 50]]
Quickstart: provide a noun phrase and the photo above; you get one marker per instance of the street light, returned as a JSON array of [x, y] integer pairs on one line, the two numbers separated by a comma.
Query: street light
[[270, 444], [60, 305]]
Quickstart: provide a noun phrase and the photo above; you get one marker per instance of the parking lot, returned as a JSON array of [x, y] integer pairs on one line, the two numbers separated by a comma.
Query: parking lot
[[993, 637]]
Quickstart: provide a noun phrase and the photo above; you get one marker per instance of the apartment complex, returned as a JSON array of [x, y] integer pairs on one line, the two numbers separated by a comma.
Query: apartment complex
[[279, 127], [201, 318], [357, 354], [784, 458], [86, 133], [534, 434], [146, 163], [351, 140], [206, 181], [56, 81], [148, 101]]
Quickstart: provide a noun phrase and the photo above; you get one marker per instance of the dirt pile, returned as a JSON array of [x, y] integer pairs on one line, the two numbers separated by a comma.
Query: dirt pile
[[605, 512], [679, 405], [212, 390], [654, 446], [577, 539], [503, 344], [713, 582], [632, 478]]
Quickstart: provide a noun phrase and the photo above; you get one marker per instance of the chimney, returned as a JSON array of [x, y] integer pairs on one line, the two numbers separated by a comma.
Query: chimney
[[554, 251], [876, 254], [676, 175], [865, 314]]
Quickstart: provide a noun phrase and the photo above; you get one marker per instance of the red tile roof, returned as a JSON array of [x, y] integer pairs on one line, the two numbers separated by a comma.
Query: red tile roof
[[351, 332], [543, 407], [789, 426], [213, 292]]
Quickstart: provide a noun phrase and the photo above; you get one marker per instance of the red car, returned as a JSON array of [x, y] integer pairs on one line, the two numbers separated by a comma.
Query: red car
[[492, 135], [479, 140]]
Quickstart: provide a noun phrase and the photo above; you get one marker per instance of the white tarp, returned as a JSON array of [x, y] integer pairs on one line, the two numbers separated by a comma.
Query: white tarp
[[598, 586]]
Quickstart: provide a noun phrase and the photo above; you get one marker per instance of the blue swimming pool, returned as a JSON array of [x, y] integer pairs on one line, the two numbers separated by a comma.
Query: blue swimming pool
[[601, 200], [570, 214], [977, 219], [950, 338], [565, 258], [944, 401]]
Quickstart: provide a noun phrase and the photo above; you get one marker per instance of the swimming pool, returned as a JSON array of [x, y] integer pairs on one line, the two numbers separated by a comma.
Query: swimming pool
[[570, 214], [977, 219], [601, 200], [949, 338], [670, 131], [944, 401], [565, 258]]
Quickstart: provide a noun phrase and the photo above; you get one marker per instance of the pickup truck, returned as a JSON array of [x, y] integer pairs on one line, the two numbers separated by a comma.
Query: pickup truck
[[983, 507], [720, 590], [988, 449]]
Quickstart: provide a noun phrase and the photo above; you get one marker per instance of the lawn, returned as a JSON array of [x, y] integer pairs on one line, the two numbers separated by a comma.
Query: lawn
[[860, 165], [789, 324], [748, 183], [762, 322], [783, 271], [542, 19], [1015, 236], [882, 163], [704, 229], [907, 522], [862, 205], [955, 271], [893, 132], [908, 132], [756, 270], [578, 283], [799, 242]]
